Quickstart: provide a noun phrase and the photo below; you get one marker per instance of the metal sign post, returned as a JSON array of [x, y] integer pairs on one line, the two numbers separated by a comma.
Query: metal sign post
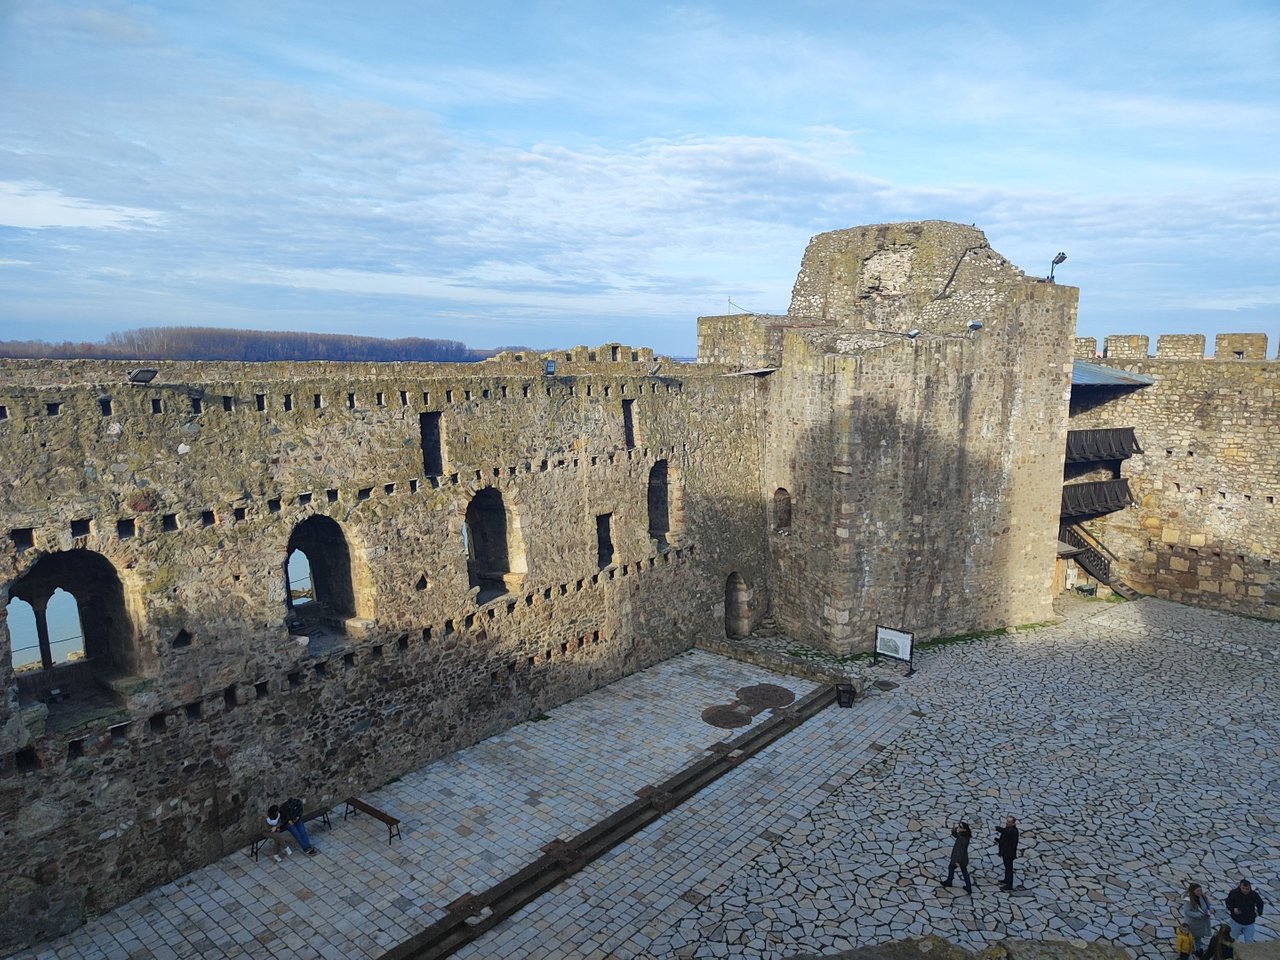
[[896, 645]]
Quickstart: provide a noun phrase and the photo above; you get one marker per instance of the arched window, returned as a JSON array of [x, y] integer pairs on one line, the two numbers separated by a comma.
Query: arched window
[[68, 624], [24, 636], [318, 573], [493, 544], [781, 510], [737, 610]]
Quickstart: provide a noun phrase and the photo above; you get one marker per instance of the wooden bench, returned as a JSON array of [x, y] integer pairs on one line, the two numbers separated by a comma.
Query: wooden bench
[[320, 813], [393, 823]]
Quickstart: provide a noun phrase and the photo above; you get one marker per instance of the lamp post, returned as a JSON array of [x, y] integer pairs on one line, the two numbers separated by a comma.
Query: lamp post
[[1056, 260]]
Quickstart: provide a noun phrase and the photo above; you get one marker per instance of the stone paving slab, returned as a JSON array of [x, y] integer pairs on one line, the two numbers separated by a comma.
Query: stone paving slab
[[468, 820], [1138, 746]]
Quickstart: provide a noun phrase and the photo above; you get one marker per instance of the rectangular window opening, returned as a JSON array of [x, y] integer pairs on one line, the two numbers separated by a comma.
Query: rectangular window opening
[[260, 402], [628, 424], [104, 404], [431, 430], [288, 402], [125, 528], [604, 540], [80, 528]]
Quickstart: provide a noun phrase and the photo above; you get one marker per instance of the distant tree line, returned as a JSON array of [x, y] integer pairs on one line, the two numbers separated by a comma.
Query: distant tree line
[[213, 343]]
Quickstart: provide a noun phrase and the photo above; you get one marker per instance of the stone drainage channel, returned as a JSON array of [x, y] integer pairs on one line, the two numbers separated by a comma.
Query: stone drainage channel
[[472, 915]]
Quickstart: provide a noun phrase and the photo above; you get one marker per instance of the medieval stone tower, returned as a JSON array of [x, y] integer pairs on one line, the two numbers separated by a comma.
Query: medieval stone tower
[[484, 541]]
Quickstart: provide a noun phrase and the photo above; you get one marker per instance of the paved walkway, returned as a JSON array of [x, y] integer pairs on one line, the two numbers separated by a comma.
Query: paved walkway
[[1137, 744]]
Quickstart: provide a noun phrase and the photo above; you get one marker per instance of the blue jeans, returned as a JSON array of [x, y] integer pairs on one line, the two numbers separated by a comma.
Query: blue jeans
[[299, 831], [1242, 931]]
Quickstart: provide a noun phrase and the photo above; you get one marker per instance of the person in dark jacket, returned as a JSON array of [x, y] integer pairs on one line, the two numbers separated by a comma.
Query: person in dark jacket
[[1007, 842], [960, 856], [1245, 907]]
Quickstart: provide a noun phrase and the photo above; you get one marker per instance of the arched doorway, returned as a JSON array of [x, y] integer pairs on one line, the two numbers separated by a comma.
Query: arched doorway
[[781, 510], [319, 592], [494, 548], [737, 609]]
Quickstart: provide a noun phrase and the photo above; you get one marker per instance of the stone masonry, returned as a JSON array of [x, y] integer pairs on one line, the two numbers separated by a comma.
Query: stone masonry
[[487, 541], [1205, 524]]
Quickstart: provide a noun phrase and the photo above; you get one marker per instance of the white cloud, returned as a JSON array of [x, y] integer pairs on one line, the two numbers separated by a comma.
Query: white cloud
[[35, 206]]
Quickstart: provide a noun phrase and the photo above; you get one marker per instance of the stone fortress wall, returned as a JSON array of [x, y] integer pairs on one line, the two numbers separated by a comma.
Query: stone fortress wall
[[915, 428], [1205, 525], [489, 540], [168, 510]]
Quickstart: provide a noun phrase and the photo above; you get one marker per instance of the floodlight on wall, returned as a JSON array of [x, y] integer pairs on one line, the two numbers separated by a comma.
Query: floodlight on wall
[[549, 368], [974, 326], [142, 375], [912, 334], [1056, 260]]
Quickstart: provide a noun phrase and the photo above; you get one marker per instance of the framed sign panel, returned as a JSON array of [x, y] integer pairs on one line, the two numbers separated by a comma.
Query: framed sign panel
[[895, 644]]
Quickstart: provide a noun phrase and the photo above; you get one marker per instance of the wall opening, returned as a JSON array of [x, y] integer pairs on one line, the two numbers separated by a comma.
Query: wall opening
[[432, 444], [68, 625], [737, 610], [659, 503], [493, 554], [628, 424], [781, 510], [320, 593], [604, 540]]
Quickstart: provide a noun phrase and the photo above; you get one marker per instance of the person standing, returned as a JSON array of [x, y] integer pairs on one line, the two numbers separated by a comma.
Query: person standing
[[1196, 911], [1245, 906], [960, 856], [1007, 844]]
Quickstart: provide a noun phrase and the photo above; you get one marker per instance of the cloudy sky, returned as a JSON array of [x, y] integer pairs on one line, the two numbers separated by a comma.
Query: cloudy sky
[[553, 173]]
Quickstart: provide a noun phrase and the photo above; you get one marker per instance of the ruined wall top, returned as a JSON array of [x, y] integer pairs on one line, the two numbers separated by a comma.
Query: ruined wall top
[[873, 277], [1175, 346], [609, 358]]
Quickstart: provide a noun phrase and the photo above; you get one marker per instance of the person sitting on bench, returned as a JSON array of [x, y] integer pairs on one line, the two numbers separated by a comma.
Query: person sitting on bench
[[276, 832], [291, 813]]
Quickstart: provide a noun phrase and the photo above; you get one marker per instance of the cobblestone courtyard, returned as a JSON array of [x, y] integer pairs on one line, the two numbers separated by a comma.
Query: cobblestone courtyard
[[1136, 743]]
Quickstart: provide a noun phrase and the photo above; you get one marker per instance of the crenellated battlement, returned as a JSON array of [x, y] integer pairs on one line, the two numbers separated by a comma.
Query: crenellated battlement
[[1174, 346]]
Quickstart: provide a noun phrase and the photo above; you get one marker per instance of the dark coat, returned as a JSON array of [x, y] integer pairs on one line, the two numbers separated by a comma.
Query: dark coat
[[960, 849], [1245, 907], [1007, 841]]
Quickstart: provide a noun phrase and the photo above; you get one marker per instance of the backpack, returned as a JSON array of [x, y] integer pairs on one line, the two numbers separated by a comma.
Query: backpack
[[291, 809]]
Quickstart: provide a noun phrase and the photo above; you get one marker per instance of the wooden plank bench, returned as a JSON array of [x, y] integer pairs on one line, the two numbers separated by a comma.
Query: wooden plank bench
[[320, 813], [393, 823]]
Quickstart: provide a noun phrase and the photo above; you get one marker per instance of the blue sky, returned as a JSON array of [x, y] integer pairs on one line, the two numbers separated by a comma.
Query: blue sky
[[547, 174]]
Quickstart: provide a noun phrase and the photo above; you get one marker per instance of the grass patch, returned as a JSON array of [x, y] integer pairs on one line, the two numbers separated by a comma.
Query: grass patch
[[540, 717]]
